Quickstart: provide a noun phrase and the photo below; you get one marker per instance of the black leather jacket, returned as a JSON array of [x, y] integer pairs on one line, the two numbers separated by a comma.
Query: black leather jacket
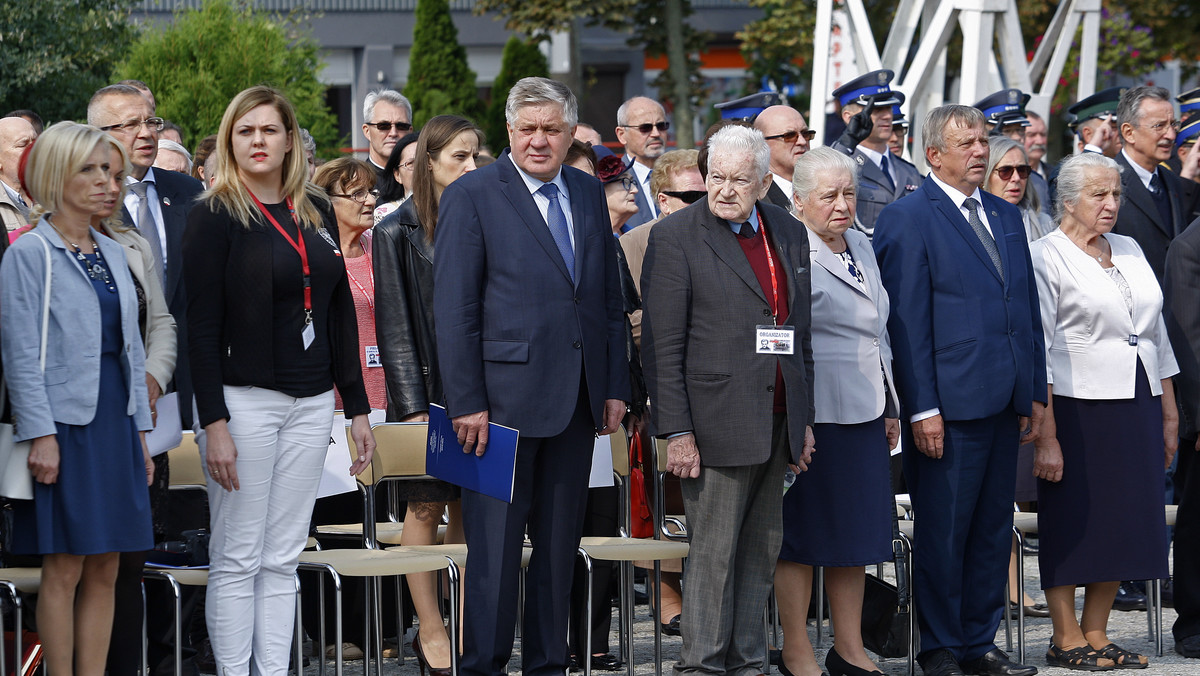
[[403, 261]]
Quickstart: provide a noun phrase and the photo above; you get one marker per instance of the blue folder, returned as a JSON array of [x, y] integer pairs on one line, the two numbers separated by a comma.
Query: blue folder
[[490, 474]]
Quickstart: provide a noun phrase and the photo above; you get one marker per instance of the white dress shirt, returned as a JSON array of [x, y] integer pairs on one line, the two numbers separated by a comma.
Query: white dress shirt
[[543, 202], [131, 205]]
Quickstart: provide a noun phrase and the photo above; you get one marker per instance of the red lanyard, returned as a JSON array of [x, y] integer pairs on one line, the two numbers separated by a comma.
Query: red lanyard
[[762, 227], [370, 296], [298, 245]]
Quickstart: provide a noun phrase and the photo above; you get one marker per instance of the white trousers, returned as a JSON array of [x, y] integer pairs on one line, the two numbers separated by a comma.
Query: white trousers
[[259, 531]]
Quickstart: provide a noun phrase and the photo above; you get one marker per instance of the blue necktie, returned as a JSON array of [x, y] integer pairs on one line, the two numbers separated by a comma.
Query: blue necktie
[[883, 164], [557, 221], [981, 231]]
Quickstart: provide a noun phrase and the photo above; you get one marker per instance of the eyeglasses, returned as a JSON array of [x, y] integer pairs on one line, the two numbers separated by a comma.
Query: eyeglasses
[[627, 182], [1159, 128], [359, 196], [1006, 171], [686, 196], [407, 166], [151, 123], [647, 128], [792, 135], [385, 127]]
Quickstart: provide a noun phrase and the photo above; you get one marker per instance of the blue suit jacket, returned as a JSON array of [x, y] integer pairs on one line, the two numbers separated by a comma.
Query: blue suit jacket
[[515, 336], [646, 212], [964, 340]]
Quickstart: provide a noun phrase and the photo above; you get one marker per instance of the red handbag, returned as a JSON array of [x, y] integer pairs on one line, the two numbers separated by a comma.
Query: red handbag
[[641, 519]]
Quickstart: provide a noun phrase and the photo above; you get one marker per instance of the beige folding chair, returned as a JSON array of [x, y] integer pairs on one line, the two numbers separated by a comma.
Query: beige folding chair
[[399, 456], [626, 550]]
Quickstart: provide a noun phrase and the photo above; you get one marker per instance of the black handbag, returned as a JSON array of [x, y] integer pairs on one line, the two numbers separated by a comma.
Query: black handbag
[[886, 608]]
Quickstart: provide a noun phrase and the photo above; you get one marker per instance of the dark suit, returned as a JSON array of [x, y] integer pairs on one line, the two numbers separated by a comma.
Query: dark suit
[[1181, 287], [969, 343], [646, 209], [176, 193], [1140, 219], [776, 196], [518, 339], [701, 304]]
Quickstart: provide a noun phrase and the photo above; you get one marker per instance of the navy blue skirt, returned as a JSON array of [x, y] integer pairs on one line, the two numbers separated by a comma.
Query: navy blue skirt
[[1104, 521], [100, 502], [839, 512]]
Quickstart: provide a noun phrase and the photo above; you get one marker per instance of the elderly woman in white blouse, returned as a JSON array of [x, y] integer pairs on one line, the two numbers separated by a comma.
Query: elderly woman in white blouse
[[1111, 426]]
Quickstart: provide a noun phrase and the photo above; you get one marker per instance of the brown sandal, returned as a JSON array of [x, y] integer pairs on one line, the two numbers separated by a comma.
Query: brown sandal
[[1124, 659], [1083, 658]]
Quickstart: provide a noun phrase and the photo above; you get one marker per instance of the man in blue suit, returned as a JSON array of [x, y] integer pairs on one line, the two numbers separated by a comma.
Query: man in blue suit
[[642, 128], [970, 369], [531, 334]]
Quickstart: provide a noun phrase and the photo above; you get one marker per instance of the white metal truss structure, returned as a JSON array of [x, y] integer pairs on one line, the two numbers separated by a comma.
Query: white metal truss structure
[[993, 55]]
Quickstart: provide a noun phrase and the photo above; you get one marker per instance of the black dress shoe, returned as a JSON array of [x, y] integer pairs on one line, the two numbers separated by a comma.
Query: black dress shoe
[[1168, 593], [605, 662], [1036, 610], [995, 662], [941, 663], [1129, 598], [671, 628], [1188, 647]]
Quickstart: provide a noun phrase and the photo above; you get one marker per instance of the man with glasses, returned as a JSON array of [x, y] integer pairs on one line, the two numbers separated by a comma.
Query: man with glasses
[[1157, 202], [387, 117], [788, 137], [642, 128], [156, 204], [867, 103]]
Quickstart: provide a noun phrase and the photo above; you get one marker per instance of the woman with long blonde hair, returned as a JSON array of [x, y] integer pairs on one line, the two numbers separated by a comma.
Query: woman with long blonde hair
[[272, 330]]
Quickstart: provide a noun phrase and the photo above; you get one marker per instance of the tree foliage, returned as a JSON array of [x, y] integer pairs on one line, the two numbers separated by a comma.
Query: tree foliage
[[55, 53], [779, 46], [198, 63], [521, 58], [439, 80]]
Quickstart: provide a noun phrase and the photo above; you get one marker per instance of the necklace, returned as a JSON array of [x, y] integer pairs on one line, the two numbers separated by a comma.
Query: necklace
[[97, 270]]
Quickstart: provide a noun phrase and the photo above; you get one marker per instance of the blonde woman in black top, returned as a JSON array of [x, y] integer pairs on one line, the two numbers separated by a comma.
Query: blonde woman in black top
[[272, 329]]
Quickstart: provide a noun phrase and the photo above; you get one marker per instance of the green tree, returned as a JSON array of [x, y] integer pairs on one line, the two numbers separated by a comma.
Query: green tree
[[521, 58], [198, 63], [55, 53], [660, 28], [778, 46], [439, 80]]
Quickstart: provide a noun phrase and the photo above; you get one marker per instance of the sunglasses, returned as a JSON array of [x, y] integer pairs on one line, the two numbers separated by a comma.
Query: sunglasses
[[686, 196], [791, 136], [647, 128], [387, 126], [1006, 171]]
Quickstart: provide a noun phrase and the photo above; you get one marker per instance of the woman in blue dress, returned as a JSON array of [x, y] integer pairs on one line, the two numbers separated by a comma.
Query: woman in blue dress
[[86, 411]]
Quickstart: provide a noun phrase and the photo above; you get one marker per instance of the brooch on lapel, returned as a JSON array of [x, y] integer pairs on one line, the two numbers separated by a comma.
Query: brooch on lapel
[[910, 187], [326, 236], [859, 159], [167, 201], [994, 214]]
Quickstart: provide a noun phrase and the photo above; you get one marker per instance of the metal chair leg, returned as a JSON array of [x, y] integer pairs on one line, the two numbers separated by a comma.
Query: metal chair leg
[[819, 581], [299, 631]]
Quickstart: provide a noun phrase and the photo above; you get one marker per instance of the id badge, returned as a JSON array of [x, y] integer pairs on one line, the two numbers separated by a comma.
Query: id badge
[[771, 339], [308, 335], [371, 356]]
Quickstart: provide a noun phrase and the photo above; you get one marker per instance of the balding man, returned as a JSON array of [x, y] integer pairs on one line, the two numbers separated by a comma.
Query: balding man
[[642, 128], [788, 137], [15, 135]]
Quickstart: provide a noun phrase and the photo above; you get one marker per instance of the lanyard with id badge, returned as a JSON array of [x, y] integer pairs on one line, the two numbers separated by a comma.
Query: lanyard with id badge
[[307, 334], [773, 338]]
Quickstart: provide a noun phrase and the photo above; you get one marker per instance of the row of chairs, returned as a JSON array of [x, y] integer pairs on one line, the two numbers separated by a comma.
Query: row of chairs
[[400, 456]]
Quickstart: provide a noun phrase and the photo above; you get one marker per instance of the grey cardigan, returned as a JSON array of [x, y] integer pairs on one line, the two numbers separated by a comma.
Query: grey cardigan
[[69, 389]]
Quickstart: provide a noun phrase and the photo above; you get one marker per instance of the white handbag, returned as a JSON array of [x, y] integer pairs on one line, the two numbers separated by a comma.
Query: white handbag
[[16, 481]]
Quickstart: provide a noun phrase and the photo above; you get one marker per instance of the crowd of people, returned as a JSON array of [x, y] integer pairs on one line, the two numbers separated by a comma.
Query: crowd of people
[[1026, 332]]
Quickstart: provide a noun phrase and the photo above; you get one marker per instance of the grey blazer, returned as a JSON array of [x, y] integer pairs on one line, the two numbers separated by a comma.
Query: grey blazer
[[701, 303], [70, 388], [851, 348], [161, 346]]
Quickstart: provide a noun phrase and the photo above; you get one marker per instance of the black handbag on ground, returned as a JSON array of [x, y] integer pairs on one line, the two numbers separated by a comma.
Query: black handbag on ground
[[886, 608]]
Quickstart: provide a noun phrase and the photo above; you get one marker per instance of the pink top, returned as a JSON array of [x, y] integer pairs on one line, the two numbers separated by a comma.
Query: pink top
[[362, 286]]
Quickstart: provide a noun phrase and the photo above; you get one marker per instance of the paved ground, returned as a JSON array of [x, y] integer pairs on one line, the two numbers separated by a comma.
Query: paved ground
[[1128, 629]]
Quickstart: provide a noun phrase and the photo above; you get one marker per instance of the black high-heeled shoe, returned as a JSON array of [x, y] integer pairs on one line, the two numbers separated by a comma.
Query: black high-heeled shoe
[[423, 663], [838, 666], [784, 670]]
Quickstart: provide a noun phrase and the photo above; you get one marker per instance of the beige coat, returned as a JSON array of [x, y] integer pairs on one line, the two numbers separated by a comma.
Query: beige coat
[[159, 337]]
